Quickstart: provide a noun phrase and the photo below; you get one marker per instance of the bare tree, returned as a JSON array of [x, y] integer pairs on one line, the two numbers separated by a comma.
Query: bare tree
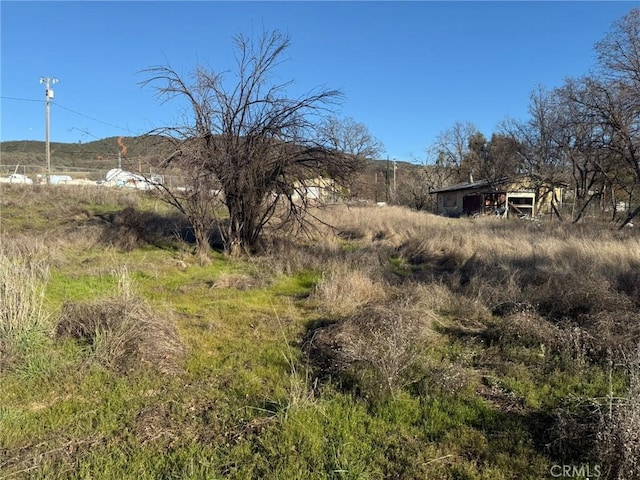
[[247, 145], [616, 99], [351, 137], [618, 125], [576, 137], [538, 148], [619, 51], [415, 189], [451, 149]]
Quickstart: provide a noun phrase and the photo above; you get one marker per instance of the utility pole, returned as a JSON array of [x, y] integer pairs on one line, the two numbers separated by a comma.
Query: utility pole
[[386, 181], [48, 95], [395, 167]]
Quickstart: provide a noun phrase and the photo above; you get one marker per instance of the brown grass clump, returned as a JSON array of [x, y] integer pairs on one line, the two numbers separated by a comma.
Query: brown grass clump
[[374, 349], [527, 328], [616, 330], [344, 288], [629, 282], [124, 333]]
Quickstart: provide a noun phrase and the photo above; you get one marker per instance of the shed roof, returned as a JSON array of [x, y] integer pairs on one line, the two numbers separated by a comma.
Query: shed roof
[[480, 184]]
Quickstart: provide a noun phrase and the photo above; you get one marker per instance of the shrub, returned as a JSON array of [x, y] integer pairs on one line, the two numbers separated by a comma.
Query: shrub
[[375, 349], [124, 333]]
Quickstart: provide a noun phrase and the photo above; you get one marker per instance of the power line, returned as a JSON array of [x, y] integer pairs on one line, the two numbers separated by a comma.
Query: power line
[[22, 99], [69, 110], [92, 118]]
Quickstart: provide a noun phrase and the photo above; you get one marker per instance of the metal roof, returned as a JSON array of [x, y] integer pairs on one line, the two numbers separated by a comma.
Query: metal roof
[[469, 186]]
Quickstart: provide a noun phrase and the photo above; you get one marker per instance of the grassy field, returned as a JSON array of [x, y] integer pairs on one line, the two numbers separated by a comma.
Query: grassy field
[[396, 345]]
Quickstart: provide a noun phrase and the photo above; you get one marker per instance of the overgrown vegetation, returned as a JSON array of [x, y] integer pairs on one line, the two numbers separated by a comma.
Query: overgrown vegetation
[[395, 345]]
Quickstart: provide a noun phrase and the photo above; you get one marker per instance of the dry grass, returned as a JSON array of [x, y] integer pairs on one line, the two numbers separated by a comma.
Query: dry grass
[[388, 225], [68, 199], [344, 288], [22, 282], [86, 216], [572, 288], [619, 433]]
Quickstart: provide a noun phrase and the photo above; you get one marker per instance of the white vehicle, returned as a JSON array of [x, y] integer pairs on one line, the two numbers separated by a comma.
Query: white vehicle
[[19, 178]]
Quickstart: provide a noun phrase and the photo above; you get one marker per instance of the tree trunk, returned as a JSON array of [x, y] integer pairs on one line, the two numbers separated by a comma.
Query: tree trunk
[[243, 230], [630, 217], [203, 248]]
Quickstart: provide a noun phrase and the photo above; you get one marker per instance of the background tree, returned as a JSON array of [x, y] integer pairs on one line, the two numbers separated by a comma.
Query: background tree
[[450, 150], [477, 157], [616, 99], [414, 189], [577, 138], [603, 112], [540, 154], [250, 145], [618, 53], [353, 138], [503, 161], [491, 160], [463, 152], [350, 137]]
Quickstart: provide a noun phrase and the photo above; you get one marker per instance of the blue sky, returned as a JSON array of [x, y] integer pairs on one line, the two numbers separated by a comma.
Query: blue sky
[[409, 70]]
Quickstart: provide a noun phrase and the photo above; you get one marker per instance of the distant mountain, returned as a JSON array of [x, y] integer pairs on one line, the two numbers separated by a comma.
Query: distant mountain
[[99, 154], [103, 153]]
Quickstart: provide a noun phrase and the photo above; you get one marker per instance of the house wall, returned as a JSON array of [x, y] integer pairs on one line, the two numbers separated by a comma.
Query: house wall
[[544, 202], [316, 189], [452, 203], [449, 204]]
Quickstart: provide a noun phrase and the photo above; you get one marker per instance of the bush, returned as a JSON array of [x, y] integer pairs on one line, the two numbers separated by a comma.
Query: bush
[[374, 350], [124, 333]]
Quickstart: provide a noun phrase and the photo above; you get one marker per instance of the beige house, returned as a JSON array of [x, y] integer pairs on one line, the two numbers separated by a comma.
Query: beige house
[[505, 198], [318, 189]]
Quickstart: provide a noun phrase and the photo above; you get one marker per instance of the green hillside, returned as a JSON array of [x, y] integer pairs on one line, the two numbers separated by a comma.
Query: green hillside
[[99, 154]]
